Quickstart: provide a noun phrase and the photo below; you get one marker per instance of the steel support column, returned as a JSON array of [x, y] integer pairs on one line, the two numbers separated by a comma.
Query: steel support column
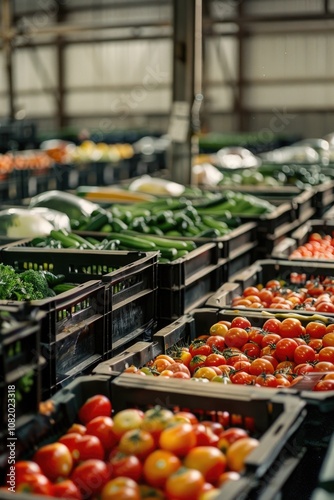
[[6, 15], [187, 18]]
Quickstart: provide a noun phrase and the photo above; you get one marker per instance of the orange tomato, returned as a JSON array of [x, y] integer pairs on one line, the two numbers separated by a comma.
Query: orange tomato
[[121, 487], [209, 460], [159, 465], [137, 442], [184, 484], [178, 439], [238, 452], [156, 420]]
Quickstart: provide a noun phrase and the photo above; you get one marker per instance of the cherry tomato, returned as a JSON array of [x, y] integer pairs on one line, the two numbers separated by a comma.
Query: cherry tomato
[[55, 460], [96, 406], [159, 465]]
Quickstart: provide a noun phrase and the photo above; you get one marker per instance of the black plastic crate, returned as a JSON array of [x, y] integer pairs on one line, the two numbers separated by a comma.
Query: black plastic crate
[[20, 363], [175, 301], [76, 330], [262, 271], [277, 419], [301, 236], [179, 332], [324, 197], [242, 259]]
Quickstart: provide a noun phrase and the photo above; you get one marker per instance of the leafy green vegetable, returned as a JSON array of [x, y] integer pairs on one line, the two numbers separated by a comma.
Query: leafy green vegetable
[[27, 285]]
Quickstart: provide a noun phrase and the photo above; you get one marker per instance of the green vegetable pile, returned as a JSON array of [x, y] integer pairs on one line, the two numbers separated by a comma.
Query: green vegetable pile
[[29, 284]]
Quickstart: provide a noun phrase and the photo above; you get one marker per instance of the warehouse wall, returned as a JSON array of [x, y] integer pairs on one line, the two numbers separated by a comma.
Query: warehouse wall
[[287, 76]]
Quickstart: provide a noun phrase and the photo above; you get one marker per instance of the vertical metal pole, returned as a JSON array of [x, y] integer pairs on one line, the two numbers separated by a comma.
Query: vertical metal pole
[[6, 15], [187, 16], [61, 70], [239, 102]]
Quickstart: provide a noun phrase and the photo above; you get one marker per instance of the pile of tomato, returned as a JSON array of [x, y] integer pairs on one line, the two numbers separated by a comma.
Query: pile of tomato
[[133, 455], [314, 294], [317, 247], [276, 355]]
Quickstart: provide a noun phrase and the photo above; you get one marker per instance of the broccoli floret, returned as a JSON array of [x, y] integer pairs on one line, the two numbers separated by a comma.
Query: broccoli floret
[[11, 286], [39, 284]]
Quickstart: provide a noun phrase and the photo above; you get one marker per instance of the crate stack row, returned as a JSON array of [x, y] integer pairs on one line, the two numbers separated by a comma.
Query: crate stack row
[[128, 308]]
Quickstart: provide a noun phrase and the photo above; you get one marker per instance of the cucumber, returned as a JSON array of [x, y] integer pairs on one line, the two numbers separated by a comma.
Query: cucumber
[[82, 241], [96, 222], [167, 243], [63, 287], [64, 239], [133, 242]]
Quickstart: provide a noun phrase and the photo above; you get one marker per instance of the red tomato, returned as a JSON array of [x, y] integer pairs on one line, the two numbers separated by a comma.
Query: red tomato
[[303, 354], [271, 359], [250, 290], [33, 483], [270, 339], [77, 428], [324, 385], [178, 439], [196, 362], [209, 460], [273, 284], [251, 349], [285, 349], [236, 337], [179, 367], [229, 436], [66, 489], [159, 465], [291, 327], [26, 467], [266, 295], [215, 427], [240, 322], [316, 344], [90, 477], [83, 447], [241, 378], [55, 460], [272, 325], [324, 366], [205, 435], [327, 307], [303, 368], [95, 406], [126, 465], [181, 375], [186, 416], [255, 335], [315, 330], [184, 484], [102, 427], [199, 348], [216, 341], [137, 442], [266, 380], [327, 354], [215, 360], [259, 366]]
